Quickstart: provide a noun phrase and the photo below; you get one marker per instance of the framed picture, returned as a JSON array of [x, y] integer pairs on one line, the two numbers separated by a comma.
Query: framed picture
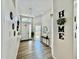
[[45, 29], [17, 28], [13, 26], [18, 22], [11, 15], [17, 25], [14, 33]]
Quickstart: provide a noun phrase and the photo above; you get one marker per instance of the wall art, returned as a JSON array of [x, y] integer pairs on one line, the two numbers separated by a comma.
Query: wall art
[[17, 25], [11, 15], [14, 33], [45, 29], [13, 26], [60, 22]]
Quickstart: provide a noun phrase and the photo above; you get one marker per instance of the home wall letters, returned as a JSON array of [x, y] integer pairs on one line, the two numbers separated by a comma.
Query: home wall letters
[[61, 21]]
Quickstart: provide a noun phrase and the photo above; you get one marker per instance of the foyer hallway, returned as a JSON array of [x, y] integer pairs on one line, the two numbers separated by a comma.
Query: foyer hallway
[[33, 49], [56, 20]]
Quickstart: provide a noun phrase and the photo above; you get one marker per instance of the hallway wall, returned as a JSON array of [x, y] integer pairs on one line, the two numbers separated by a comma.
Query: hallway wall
[[10, 43], [46, 21], [63, 49]]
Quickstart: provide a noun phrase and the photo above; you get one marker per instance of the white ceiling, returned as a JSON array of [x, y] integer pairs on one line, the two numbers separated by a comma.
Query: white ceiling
[[34, 7]]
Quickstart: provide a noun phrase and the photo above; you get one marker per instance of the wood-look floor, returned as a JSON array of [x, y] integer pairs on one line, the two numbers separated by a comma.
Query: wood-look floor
[[33, 50]]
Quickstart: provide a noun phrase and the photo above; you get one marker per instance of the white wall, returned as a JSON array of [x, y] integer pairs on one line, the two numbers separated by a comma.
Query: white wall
[[63, 49], [75, 30], [46, 21], [9, 43]]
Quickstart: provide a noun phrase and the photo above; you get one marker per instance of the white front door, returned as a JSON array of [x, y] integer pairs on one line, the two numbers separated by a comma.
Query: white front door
[[26, 28], [25, 31]]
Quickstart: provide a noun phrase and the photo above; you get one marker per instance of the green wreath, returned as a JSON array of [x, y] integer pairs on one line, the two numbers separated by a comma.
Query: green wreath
[[61, 21]]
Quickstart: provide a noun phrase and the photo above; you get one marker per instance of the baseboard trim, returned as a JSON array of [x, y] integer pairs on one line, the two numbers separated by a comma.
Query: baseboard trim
[[25, 40], [44, 44]]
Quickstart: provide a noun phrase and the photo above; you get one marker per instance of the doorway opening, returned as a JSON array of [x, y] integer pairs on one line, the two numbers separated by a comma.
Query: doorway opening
[[37, 32]]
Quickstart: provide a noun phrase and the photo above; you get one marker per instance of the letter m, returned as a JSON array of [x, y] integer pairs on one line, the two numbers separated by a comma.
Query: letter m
[[60, 28]]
